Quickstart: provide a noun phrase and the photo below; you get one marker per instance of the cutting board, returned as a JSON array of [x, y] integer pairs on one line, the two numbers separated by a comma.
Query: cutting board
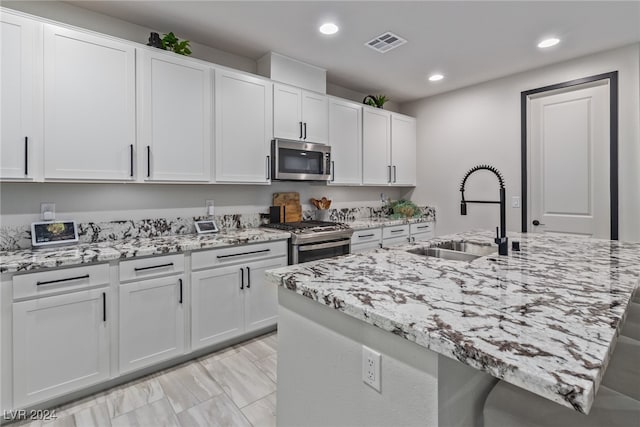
[[292, 208]]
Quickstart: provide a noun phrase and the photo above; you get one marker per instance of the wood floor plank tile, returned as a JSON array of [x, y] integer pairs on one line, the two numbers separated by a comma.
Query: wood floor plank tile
[[241, 379], [269, 365], [131, 396], [156, 414], [217, 411], [262, 413], [188, 385]]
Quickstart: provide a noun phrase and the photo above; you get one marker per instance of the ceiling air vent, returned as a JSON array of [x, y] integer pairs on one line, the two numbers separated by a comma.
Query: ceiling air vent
[[385, 42]]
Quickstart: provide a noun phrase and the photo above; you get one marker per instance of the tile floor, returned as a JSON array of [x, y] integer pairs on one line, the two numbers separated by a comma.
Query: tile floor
[[233, 387]]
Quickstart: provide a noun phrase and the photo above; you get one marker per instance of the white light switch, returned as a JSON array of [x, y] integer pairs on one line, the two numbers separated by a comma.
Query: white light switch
[[515, 202]]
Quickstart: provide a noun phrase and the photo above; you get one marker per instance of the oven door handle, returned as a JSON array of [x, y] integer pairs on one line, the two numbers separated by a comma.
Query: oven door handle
[[338, 243]]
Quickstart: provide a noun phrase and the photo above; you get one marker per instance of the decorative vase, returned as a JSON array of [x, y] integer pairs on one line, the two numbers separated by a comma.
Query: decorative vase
[[322, 215], [155, 41]]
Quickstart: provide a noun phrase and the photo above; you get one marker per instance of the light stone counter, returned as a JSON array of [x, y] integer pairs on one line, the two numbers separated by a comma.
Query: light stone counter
[[545, 319]]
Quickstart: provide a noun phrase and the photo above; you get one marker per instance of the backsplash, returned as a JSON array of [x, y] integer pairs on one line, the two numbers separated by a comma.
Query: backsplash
[[13, 238]]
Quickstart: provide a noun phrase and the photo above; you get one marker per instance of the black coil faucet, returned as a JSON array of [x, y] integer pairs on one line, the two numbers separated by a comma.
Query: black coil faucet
[[501, 236]]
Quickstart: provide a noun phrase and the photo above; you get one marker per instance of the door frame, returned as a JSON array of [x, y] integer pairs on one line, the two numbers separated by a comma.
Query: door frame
[[613, 143]]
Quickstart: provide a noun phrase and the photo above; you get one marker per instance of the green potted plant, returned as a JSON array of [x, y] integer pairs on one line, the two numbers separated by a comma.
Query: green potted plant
[[375, 101], [174, 44]]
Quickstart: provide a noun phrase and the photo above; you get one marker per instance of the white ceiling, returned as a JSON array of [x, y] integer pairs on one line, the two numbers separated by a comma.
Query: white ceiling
[[469, 42]]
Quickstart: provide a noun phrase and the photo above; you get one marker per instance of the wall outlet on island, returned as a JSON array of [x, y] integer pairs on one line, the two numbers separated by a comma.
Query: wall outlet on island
[[371, 368], [515, 202], [47, 211], [209, 207]]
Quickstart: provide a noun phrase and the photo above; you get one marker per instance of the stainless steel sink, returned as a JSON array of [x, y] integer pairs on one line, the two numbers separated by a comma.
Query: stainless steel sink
[[456, 250], [444, 254]]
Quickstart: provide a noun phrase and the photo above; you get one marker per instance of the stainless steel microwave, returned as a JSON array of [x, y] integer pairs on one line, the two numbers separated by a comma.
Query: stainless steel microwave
[[300, 161]]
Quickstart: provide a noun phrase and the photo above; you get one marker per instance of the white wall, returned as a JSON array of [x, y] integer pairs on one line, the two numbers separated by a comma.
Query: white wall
[[481, 124]]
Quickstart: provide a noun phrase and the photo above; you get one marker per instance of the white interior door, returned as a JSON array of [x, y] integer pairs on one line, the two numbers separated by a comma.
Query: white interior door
[[569, 160]]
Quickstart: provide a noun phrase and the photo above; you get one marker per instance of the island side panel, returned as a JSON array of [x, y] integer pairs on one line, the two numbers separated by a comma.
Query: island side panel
[[320, 371]]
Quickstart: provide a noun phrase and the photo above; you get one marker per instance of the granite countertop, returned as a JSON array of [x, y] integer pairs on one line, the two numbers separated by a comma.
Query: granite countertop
[[34, 259], [366, 223], [544, 319]]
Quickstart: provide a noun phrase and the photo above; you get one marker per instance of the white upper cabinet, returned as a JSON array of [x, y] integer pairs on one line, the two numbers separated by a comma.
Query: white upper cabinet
[[345, 138], [376, 146], [243, 106], [403, 149], [300, 115], [175, 118], [20, 80], [89, 106]]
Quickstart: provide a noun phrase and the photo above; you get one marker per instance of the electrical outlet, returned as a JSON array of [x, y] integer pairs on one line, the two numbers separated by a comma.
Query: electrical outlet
[[371, 368], [208, 204], [515, 202], [47, 211]]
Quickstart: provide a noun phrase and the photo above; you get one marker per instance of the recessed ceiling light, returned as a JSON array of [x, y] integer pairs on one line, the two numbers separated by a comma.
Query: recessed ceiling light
[[548, 42], [328, 28], [436, 77]]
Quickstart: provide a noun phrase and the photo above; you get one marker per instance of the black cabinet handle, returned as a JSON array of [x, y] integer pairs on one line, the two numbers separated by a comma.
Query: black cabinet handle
[[243, 253], [169, 264], [180, 282], [305, 130], [537, 223], [389, 172], [300, 130], [26, 155], [248, 277], [397, 231], [131, 160], [333, 170], [148, 161], [104, 306], [366, 235], [241, 278], [268, 167], [420, 227], [394, 173], [49, 282]]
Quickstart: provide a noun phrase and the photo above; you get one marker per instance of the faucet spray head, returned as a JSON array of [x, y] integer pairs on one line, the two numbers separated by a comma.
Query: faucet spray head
[[463, 208]]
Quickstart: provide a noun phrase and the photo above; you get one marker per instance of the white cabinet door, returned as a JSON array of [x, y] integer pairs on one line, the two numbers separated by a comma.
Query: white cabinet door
[[243, 127], [216, 305], [287, 112], [403, 149], [315, 118], [20, 74], [345, 138], [89, 106], [60, 344], [422, 231], [261, 296], [376, 150], [175, 106], [151, 322]]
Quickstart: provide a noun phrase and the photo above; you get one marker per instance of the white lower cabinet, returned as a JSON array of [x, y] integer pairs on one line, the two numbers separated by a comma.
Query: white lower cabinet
[[365, 240], [60, 344], [395, 235], [151, 322], [422, 231], [228, 301]]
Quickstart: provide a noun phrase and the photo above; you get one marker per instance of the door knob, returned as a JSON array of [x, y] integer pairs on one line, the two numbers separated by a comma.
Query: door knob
[[536, 222]]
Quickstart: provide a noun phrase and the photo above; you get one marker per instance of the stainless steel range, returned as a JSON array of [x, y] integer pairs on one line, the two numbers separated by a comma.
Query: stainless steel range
[[313, 240]]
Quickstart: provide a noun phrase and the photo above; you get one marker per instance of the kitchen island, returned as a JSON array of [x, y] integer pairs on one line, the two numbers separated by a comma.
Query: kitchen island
[[545, 319]]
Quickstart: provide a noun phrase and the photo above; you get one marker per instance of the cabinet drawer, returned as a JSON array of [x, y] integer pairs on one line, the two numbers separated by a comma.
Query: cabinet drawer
[[395, 231], [151, 267], [421, 227], [421, 237], [370, 235], [56, 281], [236, 254], [364, 247]]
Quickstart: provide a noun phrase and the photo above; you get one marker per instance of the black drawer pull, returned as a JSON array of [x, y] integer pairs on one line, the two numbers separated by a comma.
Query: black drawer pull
[[248, 277], [397, 231], [180, 281], [170, 264], [422, 226], [366, 235], [131, 159], [305, 131], [243, 253], [26, 155], [104, 307], [241, 278], [148, 161], [48, 282]]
